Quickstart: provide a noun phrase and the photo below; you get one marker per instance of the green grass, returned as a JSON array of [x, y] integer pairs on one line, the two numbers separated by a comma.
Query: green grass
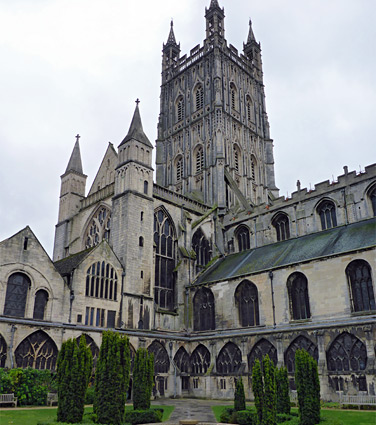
[[27, 416], [330, 417]]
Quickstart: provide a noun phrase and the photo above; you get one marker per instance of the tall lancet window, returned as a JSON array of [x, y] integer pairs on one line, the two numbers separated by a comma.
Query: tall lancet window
[[179, 169], [199, 97]]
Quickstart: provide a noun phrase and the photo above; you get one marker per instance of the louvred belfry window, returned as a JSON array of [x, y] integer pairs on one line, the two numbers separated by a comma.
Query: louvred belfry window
[[99, 228], [199, 97], [199, 160], [164, 239], [179, 169]]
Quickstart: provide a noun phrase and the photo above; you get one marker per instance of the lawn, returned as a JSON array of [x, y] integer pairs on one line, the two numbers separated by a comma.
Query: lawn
[[331, 417], [28, 416]]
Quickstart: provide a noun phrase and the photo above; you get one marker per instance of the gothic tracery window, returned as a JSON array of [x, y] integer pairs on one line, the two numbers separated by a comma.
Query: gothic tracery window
[[249, 109], [98, 228], [181, 360], [199, 97], [180, 108], [327, 213], [361, 289], [164, 239], [299, 343], [3, 351], [161, 359], [229, 359], [37, 351], [179, 169], [347, 353], [199, 159], [101, 281], [200, 360], [203, 310], [282, 226], [246, 297], [259, 350], [233, 96], [253, 168], [201, 247], [242, 236], [297, 286], [16, 295], [40, 303]]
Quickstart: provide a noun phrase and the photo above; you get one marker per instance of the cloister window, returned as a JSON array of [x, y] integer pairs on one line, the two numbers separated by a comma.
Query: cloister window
[[181, 360], [101, 281], [180, 108], [161, 359], [242, 236], [164, 239], [179, 169], [327, 213], [201, 247], [99, 228], [297, 286], [347, 353], [40, 303], [360, 283], [200, 360], [37, 351], [299, 343], [199, 159], [16, 295], [229, 359], [199, 97], [261, 349], [246, 298], [282, 226], [203, 310]]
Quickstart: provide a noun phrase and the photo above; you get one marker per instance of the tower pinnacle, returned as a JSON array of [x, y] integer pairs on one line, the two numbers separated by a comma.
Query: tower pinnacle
[[136, 131], [75, 163]]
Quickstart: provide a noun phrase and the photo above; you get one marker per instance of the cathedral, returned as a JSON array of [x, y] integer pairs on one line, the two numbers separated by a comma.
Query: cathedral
[[207, 266]]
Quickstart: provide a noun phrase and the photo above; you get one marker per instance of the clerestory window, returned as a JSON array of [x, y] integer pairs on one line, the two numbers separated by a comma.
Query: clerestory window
[[327, 213]]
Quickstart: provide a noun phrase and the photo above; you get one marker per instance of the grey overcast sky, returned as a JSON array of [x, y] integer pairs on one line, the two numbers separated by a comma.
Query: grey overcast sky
[[77, 66]]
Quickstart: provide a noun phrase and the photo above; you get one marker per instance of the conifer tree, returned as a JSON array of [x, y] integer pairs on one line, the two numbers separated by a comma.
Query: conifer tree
[[112, 378], [258, 390], [239, 399], [282, 388], [269, 415], [143, 379]]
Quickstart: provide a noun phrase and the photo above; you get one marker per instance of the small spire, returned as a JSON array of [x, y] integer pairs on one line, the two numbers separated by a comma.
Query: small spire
[[213, 3], [251, 36], [136, 131], [75, 163], [171, 37]]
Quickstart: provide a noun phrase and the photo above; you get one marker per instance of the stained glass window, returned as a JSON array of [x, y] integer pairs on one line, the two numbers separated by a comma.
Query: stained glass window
[[297, 286], [203, 310], [360, 281], [246, 297]]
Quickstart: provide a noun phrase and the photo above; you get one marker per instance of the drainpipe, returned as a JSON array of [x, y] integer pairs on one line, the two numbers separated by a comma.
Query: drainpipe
[[121, 323], [173, 363], [272, 290], [12, 332]]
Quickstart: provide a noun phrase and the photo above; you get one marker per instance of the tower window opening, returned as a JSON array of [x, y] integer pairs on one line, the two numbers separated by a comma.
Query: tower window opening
[[199, 160], [179, 169], [180, 109], [199, 97]]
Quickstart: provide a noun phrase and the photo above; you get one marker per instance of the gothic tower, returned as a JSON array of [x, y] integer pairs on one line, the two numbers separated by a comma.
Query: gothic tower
[[213, 132]]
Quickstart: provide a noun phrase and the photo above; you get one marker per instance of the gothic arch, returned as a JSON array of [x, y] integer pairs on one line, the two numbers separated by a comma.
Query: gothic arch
[[198, 156], [179, 168], [3, 351], [16, 295], [281, 224], [201, 247], [161, 360], [92, 345], [254, 169], [199, 360], [165, 242], [371, 196], [180, 108], [199, 96], [299, 343], [229, 359], [346, 353], [203, 310], [98, 226], [40, 304], [262, 348], [233, 96], [246, 299], [181, 360], [237, 158], [249, 106], [242, 237], [38, 351], [297, 287], [326, 210], [359, 277]]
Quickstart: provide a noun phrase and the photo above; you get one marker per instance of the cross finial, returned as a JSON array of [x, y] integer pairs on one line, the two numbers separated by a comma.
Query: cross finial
[[137, 101], [77, 137]]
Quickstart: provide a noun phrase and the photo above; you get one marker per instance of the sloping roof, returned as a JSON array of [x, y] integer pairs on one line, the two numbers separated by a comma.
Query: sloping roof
[[66, 265], [327, 243], [136, 131], [75, 163]]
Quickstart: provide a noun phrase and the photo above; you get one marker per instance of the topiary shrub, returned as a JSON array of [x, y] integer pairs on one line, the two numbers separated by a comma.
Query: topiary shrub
[[239, 398], [283, 393], [227, 414], [143, 379], [144, 416], [258, 390], [245, 417]]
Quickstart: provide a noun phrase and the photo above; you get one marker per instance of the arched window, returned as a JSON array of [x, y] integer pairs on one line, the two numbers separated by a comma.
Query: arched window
[[199, 159], [93, 347], [203, 310], [3, 351], [164, 239], [259, 350], [246, 298], [249, 109], [372, 196], [327, 213], [282, 226], [233, 95], [253, 168], [38, 351], [199, 97], [180, 108], [146, 185], [161, 360], [297, 286], [181, 360], [101, 281], [299, 343], [236, 159], [229, 359], [242, 236], [200, 360], [347, 353], [141, 241], [16, 295], [360, 282], [201, 247], [41, 298], [179, 169], [98, 228]]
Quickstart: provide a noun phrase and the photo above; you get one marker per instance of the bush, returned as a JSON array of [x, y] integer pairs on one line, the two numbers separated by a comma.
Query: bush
[[144, 416], [90, 395], [283, 417], [226, 415], [239, 399], [245, 417], [283, 394], [258, 390], [143, 379]]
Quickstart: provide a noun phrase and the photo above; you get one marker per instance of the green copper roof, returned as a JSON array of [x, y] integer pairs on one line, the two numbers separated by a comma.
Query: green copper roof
[[336, 241]]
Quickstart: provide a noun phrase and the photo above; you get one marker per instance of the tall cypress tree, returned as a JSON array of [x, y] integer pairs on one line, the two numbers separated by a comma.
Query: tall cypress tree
[[143, 379], [283, 393], [258, 390], [239, 398], [269, 415]]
